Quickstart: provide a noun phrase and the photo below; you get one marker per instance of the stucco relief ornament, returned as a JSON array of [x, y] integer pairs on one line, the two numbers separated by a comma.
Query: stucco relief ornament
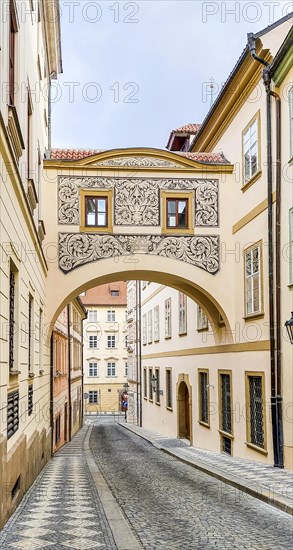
[[136, 203], [76, 249], [140, 162]]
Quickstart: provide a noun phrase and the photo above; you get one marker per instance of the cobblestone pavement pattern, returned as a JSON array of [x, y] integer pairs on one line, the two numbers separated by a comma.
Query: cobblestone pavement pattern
[[171, 505], [62, 510]]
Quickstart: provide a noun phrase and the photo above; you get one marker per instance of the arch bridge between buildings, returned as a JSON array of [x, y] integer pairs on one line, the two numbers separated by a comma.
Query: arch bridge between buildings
[[136, 242]]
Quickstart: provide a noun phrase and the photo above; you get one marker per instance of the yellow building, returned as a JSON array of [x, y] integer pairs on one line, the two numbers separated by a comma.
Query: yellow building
[[30, 54]]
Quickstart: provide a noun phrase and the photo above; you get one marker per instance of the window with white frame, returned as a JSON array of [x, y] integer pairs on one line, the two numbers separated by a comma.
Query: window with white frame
[[111, 368], [291, 245], [111, 341], [168, 318], [182, 313], [111, 315], [92, 315], [250, 141], [144, 329], [93, 369], [253, 299], [93, 341], [156, 323], [93, 396], [202, 320], [150, 327]]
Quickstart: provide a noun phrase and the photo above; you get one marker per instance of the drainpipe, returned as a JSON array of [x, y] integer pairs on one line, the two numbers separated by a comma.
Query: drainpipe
[[81, 420], [69, 371], [52, 393], [276, 403], [138, 346]]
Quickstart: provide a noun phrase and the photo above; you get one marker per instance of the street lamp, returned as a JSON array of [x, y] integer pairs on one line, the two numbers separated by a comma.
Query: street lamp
[[289, 327]]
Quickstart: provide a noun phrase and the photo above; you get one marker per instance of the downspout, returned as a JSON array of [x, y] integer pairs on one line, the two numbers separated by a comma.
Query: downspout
[[69, 371], [52, 393], [82, 378], [138, 333], [277, 443]]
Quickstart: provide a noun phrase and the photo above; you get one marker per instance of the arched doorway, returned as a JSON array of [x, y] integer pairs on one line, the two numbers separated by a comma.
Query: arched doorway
[[184, 410]]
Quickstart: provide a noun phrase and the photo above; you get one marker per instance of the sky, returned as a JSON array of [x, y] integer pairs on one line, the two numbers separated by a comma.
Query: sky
[[133, 71]]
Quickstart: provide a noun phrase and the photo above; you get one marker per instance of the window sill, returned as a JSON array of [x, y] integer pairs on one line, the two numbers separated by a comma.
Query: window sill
[[182, 333], [202, 329], [226, 434], [169, 409], [253, 316], [145, 398], [157, 403], [257, 449], [151, 400], [176, 232], [290, 286], [95, 229], [168, 337], [204, 424], [249, 183]]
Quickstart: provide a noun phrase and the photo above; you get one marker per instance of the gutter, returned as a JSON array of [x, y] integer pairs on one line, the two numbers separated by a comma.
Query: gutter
[[274, 285]]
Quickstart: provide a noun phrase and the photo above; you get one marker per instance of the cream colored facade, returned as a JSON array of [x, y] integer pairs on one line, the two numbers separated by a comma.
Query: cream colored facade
[[25, 434], [105, 354]]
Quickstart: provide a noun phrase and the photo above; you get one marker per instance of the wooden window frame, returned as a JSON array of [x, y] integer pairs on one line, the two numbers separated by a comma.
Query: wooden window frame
[[182, 331], [145, 383], [200, 421], [263, 450], [88, 194], [256, 176], [223, 433], [169, 407], [157, 392], [260, 313], [189, 196], [150, 387], [169, 334]]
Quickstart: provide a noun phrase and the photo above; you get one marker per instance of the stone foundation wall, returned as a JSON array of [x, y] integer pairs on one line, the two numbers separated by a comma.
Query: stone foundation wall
[[19, 468]]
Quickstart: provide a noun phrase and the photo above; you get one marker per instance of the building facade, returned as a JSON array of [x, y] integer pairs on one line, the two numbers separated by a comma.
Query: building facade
[[67, 366], [105, 347], [29, 57]]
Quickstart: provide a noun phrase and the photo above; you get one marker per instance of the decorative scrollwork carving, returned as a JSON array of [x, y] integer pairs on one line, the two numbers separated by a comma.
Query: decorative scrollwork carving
[[76, 249], [136, 200], [139, 162]]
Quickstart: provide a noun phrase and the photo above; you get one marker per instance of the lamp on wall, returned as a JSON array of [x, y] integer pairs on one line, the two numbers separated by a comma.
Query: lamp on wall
[[289, 327]]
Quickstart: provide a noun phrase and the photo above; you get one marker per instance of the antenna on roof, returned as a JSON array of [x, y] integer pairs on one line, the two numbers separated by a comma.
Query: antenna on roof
[[212, 88]]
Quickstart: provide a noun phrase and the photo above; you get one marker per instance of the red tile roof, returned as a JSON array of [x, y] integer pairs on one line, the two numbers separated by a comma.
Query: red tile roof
[[206, 158], [72, 154], [187, 129], [77, 154]]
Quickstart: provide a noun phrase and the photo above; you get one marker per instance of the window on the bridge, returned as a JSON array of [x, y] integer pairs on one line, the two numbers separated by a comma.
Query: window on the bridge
[[178, 212], [96, 211], [253, 283], [203, 397], [255, 419]]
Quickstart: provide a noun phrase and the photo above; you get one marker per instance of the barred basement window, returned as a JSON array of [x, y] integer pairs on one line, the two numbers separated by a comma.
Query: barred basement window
[[225, 403], [256, 411], [227, 445], [11, 319], [203, 397], [30, 399], [168, 389], [12, 413]]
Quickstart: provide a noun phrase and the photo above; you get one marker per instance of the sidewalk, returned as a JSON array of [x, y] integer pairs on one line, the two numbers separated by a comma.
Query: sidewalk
[[266, 483]]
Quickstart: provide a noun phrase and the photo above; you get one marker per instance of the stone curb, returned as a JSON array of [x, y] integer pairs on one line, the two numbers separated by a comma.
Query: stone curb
[[122, 534], [229, 479]]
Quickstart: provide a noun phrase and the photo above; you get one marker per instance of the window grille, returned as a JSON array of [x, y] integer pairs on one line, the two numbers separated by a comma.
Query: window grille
[[227, 445], [12, 413], [256, 411], [226, 413], [168, 389], [30, 399], [204, 405], [11, 319]]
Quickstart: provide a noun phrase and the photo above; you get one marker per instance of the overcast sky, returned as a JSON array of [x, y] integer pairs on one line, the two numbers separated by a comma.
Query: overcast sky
[[132, 71]]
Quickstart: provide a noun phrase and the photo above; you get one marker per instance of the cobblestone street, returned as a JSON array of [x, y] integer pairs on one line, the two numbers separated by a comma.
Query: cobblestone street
[[167, 504]]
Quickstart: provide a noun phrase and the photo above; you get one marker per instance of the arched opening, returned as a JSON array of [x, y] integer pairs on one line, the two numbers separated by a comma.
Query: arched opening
[[184, 411]]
